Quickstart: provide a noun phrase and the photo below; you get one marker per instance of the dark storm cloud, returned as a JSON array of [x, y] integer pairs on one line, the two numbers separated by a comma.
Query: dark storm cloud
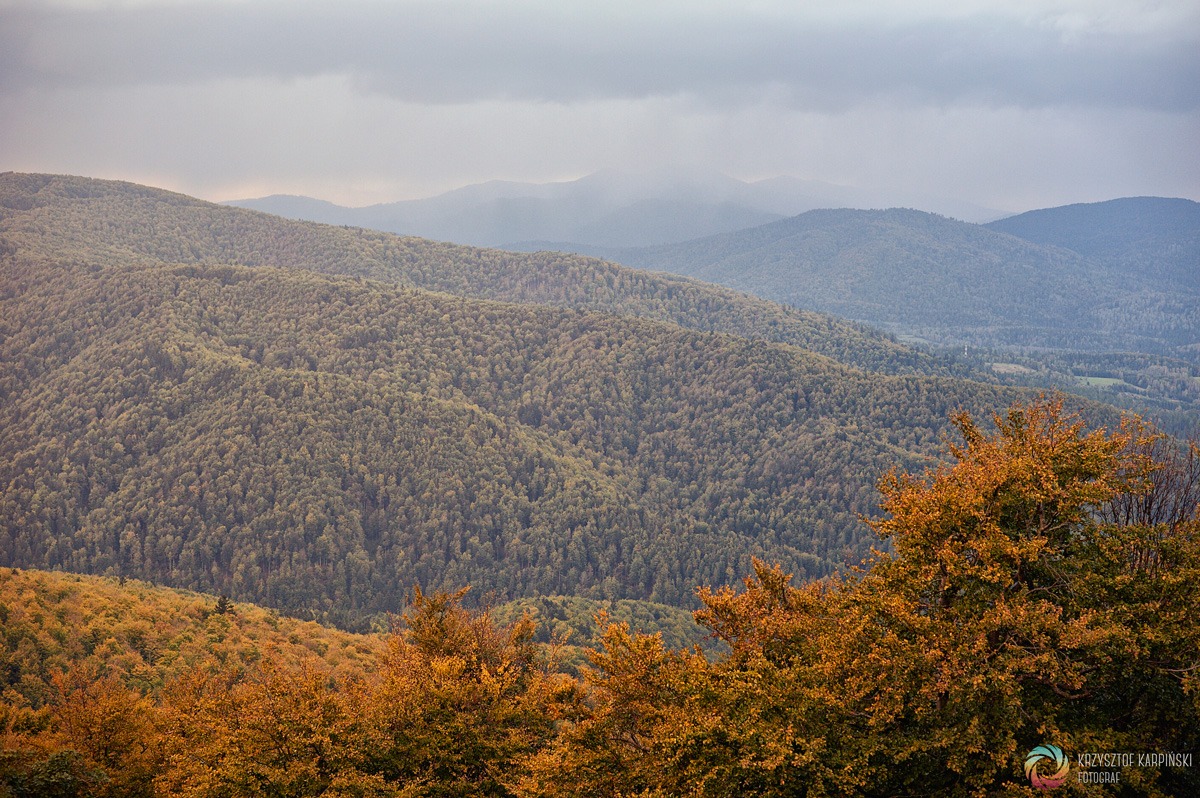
[[440, 53]]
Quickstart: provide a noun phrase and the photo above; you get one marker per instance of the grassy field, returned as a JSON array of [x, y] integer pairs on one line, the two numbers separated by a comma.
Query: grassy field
[[1115, 383]]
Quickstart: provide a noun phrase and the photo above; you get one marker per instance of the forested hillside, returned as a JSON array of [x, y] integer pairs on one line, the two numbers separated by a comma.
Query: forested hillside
[[121, 223], [320, 443], [323, 442], [147, 635]]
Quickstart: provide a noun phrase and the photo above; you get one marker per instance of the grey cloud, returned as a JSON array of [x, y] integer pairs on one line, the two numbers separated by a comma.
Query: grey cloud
[[439, 53]]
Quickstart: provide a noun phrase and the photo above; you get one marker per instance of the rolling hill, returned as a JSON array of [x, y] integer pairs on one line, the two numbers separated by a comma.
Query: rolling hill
[[226, 401], [147, 634]]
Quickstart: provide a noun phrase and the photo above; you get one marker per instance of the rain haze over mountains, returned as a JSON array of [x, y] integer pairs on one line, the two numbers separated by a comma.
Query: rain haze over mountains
[[1004, 105]]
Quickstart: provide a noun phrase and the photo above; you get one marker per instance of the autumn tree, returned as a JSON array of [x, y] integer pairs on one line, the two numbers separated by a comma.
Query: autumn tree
[[1011, 613], [275, 730], [640, 696], [462, 702], [1011, 609]]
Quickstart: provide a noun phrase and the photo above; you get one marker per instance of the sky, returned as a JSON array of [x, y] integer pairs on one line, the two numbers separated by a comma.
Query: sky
[[1010, 104]]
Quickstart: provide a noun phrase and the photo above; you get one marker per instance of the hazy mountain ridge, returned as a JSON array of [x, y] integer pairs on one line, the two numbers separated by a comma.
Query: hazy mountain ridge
[[1137, 236], [608, 208], [948, 281]]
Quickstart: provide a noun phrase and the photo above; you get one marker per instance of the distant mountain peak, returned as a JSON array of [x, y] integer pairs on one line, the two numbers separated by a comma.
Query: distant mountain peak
[[1145, 235], [931, 276]]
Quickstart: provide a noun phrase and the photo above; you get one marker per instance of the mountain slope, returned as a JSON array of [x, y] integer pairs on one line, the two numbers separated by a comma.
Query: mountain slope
[[1136, 235], [113, 222], [320, 442], [947, 281], [147, 634]]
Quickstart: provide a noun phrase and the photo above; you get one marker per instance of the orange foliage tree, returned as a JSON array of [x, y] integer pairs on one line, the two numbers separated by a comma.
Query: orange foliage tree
[[1013, 608]]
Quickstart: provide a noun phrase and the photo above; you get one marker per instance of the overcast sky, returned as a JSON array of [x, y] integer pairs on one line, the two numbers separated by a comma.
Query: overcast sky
[[1012, 104]]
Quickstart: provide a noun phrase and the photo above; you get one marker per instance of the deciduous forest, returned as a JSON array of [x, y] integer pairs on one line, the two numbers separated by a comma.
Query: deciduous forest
[[319, 443], [300, 510], [1041, 586]]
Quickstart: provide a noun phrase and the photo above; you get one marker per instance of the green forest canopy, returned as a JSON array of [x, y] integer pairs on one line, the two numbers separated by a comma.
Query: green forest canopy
[[320, 442]]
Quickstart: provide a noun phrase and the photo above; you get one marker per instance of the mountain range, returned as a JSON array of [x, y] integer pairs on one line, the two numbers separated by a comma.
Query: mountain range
[[318, 417], [1110, 277], [608, 208]]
